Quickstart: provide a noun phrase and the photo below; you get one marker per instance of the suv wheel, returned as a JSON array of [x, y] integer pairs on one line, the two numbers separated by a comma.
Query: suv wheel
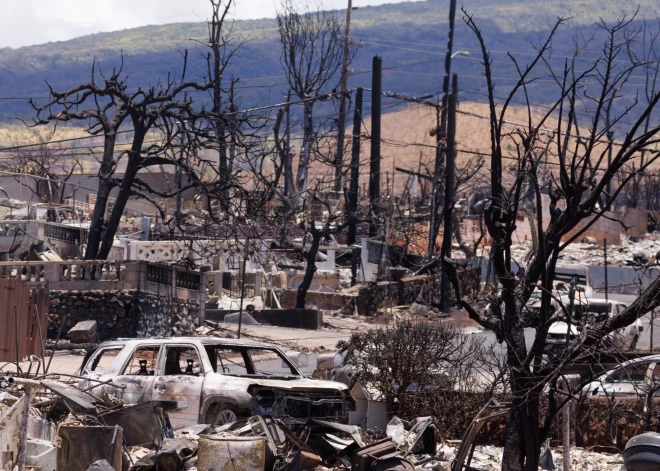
[[223, 415]]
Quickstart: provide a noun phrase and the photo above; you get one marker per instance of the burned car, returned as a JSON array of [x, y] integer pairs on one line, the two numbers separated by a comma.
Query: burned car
[[639, 377], [213, 381]]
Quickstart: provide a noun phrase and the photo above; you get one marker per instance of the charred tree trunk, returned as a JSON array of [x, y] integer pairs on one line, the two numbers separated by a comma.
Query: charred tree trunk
[[219, 124], [102, 195], [125, 188], [308, 136], [310, 270], [287, 164]]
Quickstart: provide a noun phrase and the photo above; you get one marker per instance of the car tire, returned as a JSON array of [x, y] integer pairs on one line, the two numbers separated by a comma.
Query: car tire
[[223, 414]]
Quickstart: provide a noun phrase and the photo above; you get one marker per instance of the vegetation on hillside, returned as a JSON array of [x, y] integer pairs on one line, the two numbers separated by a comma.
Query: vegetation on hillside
[[404, 34]]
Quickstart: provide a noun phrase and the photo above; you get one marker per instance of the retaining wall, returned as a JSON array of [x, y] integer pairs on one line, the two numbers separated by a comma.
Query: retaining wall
[[130, 313]]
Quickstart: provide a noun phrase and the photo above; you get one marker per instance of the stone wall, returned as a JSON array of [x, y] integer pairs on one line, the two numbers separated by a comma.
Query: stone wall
[[122, 313], [161, 316]]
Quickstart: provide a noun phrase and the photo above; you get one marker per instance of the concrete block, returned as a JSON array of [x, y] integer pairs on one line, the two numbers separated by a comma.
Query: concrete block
[[279, 280], [311, 319], [41, 454], [83, 332]]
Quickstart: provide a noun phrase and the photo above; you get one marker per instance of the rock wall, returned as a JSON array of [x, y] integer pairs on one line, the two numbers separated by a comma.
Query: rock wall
[[121, 313], [160, 316]]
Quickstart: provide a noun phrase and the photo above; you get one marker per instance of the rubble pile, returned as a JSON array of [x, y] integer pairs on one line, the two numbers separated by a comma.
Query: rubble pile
[[81, 426], [631, 252], [489, 458]]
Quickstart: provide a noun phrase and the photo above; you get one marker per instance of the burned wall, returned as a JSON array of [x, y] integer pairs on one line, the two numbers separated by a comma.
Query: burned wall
[[121, 313], [314, 300], [422, 289]]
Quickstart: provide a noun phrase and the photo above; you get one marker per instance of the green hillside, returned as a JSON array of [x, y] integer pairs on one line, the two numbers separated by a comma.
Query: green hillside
[[403, 34]]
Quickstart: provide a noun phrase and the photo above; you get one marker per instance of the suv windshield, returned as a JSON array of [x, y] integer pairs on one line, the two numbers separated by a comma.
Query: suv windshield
[[249, 361]]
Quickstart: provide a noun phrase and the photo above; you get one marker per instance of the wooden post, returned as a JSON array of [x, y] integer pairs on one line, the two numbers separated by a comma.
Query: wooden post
[[355, 168], [566, 435], [441, 128], [445, 299], [374, 167]]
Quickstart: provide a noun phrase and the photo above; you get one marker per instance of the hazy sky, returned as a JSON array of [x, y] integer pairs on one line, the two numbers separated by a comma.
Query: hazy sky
[[27, 22]]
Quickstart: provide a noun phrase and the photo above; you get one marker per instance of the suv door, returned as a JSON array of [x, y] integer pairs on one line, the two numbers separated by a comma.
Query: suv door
[[137, 375], [180, 378]]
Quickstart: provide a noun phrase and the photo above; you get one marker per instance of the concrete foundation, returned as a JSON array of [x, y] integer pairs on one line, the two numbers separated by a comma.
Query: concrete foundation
[[296, 318]]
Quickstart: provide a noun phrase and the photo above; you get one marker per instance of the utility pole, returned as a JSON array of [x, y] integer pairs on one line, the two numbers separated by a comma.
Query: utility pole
[[434, 222], [355, 168], [355, 181], [374, 165], [445, 298], [339, 158]]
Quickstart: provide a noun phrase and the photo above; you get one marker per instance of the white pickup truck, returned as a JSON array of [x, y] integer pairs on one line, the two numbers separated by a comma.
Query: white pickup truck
[[213, 381]]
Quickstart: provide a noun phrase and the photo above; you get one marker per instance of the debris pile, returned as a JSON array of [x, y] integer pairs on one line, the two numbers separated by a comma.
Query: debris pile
[[81, 426], [631, 252], [489, 458]]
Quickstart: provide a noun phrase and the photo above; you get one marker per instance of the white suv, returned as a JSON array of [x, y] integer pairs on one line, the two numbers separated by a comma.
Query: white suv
[[214, 381]]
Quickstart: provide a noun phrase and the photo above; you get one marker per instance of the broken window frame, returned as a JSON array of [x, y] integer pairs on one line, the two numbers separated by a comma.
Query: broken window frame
[[161, 362], [95, 356], [122, 371], [250, 365]]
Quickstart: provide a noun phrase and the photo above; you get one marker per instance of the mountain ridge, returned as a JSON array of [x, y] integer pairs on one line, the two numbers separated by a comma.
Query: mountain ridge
[[402, 33]]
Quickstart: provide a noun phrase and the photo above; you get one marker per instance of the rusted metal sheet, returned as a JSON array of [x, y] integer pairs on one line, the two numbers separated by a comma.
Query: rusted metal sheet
[[82, 446], [23, 319]]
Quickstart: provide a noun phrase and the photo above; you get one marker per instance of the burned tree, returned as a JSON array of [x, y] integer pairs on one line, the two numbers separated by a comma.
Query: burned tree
[[50, 167], [105, 104], [312, 52], [218, 59], [577, 186]]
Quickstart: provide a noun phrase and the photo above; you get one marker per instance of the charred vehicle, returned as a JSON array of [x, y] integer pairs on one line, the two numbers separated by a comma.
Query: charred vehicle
[[590, 312], [213, 381]]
